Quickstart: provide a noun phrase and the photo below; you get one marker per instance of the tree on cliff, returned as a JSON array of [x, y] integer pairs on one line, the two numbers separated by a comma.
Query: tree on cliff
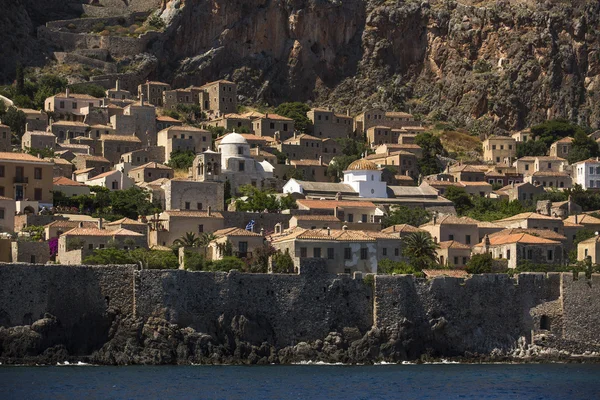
[[296, 111], [420, 249], [432, 147], [583, 147]]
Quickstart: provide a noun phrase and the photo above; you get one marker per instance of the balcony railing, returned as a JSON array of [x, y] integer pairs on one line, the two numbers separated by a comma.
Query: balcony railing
[[21, 179]]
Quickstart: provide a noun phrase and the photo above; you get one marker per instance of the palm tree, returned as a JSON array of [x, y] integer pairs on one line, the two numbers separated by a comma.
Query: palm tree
[[420, 249], [206, 238], [188, 240]]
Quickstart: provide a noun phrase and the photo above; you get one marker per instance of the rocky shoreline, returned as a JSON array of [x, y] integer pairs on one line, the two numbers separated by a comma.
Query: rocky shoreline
[[158, 342]]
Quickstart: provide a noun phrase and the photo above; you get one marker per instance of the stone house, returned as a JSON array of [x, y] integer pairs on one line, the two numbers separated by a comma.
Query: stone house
[[137, 119], [406, 138], [62, 167], [467, 173], [64, 130], [5, 138], [344, 251], [171, 98], [529, 165], [498, 149], [98, 164], [453, 254], [57, 228], [78, 243], [401, 230], [153, 92], [328, 124], [589, 249], [311, 170], [128, 224], [25, 177], [98, 130], [375, 116], [118, 93], [69, 105], [69, 187], [164, 122], [445, 228], [587, 221], [184, 138], [171, 225], [150, 172], [144, 156], [523, 136], [8, 209], [351, 212], [481, 189], [81, 145], [30, 252], [316, 222], [561, 209], [524, 192], [392, 148], [272, 125], [404, 161], [329, 149], [36, 120], [495, 177], [183, 194], [38, 140], [531, 220], [519, 247], [243, 243], [114, 145], [541, 233], [218, 98], [232, 122], [112, 180], [378, 135], [561, 148], [561, 180]]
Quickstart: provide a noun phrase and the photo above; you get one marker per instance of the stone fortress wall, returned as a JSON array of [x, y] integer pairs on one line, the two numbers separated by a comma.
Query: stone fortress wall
[[450, 315]]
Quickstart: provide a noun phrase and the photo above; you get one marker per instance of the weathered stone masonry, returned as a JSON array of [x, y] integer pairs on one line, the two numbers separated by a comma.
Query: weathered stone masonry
[[452, 316]]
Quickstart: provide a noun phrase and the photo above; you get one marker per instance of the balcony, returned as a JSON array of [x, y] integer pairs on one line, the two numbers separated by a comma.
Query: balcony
[[246, 254], [20, 179]]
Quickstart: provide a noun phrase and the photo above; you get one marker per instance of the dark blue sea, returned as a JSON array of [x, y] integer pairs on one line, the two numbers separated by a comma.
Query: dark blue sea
[[443, 381]]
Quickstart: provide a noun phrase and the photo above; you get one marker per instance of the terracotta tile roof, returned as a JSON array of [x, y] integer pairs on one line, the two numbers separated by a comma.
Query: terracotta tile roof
[[402, 228], [451, 273], [184, 128], [463, 183], [193, 213], [551, 173], [71, 224], [528, 215], [331, 204], [39, 133], [89, 157], [567, 139], [523, 238], [583, 219], [125, 221], [152, 165], [236, 232], [541, 158], [165, 118], [277, 117], [329, 218], [155, 83], [452, 220], [8, 156], [251, 136], [314, 163], [465, 168], [403, 178], [63, 181], [234, 116], [76, 96], [486, 224], [103, 175], [570, 224], [339, 235], [589, 160], [83, 171], [100, 126], [453, 244], [401, 146], [70, 123], [120, 138], [543, 233], [398, 114], [100, 232], [593, 239], [68, 146]]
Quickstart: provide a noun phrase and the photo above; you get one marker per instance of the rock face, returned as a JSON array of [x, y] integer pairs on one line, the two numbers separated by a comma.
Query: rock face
[[492, 64]]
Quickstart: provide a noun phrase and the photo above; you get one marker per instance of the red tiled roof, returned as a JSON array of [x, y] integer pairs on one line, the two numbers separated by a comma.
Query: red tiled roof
[[331, 204], [63, 181]]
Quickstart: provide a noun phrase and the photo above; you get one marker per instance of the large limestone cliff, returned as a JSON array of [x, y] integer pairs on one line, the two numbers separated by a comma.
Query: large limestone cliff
[[501, 64]]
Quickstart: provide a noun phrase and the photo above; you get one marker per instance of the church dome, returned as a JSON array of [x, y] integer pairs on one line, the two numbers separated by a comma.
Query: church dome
[[234, 138], [362, 165]]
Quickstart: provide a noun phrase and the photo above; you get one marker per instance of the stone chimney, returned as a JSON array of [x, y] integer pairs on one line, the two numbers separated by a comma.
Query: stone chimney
[[394, 228], [278, 228], [328, 231], [27, 127], [486, 243], [348, 112], [67, 92], [345, 227], [100, 223], [262, 231], [320, 160], [294, 134], [142, 99], [208, 211], [335, 211], [338, 196], [576, 218], [434, 218], [118, 85]]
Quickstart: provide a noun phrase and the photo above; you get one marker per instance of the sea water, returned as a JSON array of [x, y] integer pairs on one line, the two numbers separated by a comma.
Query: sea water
[[438, 381]]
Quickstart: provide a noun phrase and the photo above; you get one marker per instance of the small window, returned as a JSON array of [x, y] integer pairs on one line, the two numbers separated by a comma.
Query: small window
[[396, 251], [364, 252], [468, 239], [37, 194], [200, 228], [550, 255], [455, 260], [302, 252], [1, 213], [317, 252], [350, 217], [187, 205], [199, 206], [384, 251], [450, 237], [91, 246], [330, 253], [347, 253]]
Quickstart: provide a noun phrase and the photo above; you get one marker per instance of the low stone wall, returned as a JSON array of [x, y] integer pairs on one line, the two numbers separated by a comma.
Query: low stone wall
[[30, 252]]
